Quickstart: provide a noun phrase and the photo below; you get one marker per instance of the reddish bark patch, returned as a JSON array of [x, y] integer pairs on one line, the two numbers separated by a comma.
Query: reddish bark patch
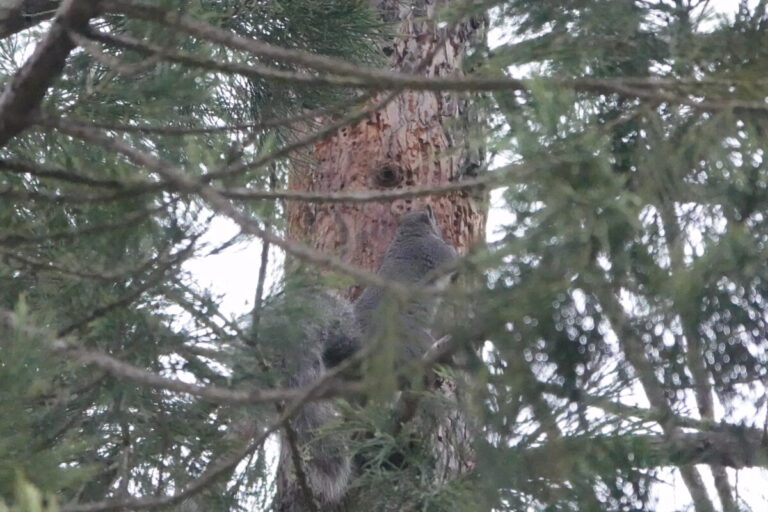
[[413, 141]]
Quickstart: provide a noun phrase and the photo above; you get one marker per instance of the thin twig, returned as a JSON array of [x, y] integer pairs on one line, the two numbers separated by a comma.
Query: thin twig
[[324, 133], [258, 300], [212, 394], [202, 130]]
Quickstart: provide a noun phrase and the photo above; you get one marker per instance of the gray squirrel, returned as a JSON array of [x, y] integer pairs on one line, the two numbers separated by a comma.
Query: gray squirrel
[[325, 318], [416, 251], [335, 332]]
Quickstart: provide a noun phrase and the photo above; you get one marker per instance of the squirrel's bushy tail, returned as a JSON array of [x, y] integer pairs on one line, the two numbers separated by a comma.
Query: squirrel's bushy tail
[[328, 321]]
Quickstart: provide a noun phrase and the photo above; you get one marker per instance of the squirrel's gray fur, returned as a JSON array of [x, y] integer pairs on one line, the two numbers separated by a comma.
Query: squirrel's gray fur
[[416, 250], [334, 332], [324, 319]]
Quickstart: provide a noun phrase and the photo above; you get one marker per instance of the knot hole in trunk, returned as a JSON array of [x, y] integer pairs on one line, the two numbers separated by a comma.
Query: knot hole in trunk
[[388, 176]]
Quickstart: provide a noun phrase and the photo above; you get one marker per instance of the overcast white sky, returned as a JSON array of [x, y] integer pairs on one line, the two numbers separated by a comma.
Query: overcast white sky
[[233, 275]]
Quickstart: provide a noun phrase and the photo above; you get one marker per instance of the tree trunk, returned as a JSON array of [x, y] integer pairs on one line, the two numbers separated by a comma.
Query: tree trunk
[[418, 139]]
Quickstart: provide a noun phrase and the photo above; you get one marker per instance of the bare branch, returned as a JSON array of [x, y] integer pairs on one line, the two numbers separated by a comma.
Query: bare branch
[[213, 394], [157, 52], [23, 94], [109, 61], [18, 15], [298, 464], [366, 196]]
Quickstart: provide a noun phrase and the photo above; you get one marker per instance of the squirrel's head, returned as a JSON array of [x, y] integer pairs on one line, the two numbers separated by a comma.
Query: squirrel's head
[[418, 223]]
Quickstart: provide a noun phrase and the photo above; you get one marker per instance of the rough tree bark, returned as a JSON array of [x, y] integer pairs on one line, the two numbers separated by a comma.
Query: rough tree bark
[[419, 138]]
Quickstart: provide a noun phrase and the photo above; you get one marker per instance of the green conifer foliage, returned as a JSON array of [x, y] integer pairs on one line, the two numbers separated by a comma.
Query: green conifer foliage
[[610, 336]]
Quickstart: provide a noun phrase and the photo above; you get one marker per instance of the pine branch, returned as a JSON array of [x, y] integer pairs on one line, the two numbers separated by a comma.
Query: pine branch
[[52, 266], [324, 388], [734, 447], [361, 76], [163, 264], [214, 394], [621, 410], [216, 469], [635, 353], [33, 169], [130, 190], [703, 391], [129, 219]]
